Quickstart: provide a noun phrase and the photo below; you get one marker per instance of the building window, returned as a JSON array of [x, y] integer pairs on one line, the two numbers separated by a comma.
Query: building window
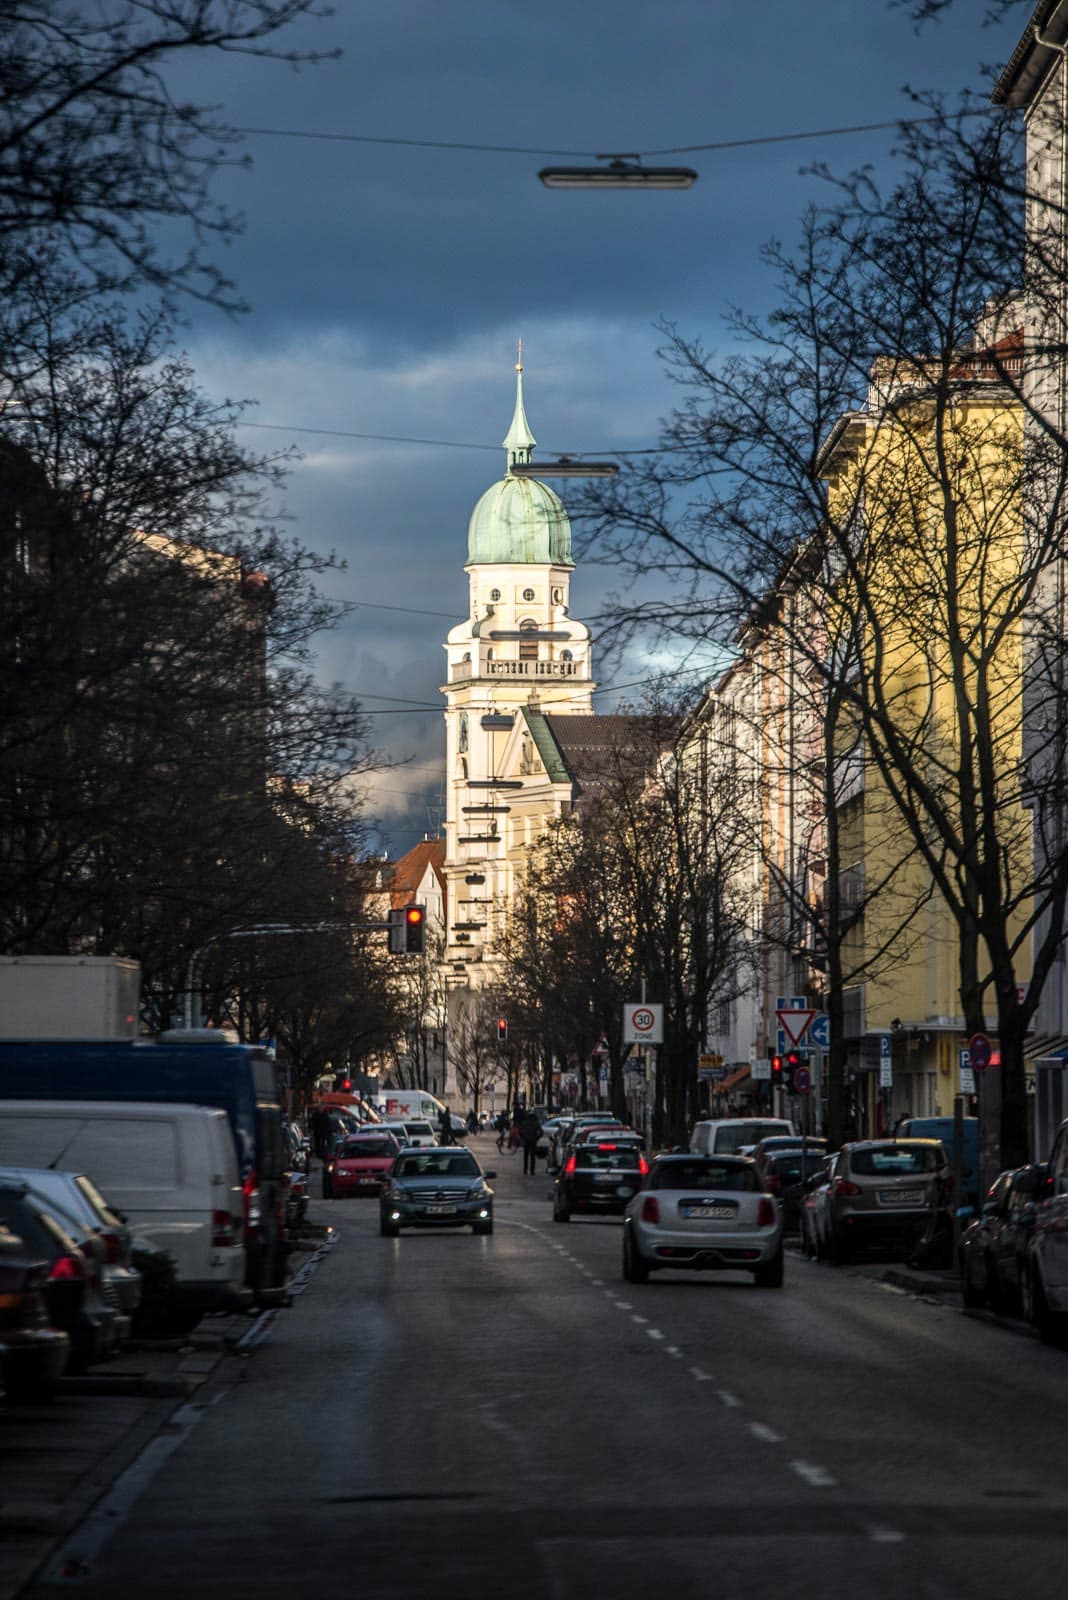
[[495, 594], [528, 648], [565, 655], [528, 594], [558, 595]]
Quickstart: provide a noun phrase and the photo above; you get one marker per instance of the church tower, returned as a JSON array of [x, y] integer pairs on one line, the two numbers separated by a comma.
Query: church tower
[[518, 658]]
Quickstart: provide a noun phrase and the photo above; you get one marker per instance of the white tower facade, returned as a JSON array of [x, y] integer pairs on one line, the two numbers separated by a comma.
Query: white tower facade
[[518, 651]]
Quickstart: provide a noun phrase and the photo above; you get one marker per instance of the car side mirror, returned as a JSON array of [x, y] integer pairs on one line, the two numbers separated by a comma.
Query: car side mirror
[[489, 1173]]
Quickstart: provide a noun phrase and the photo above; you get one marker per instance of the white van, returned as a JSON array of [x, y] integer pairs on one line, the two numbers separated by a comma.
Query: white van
[[409, 1105], [725, 1136], [170, 1169]]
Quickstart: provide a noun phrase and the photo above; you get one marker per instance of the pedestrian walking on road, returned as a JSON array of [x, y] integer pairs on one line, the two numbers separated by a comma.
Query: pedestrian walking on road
[[445, 1122], [529, 1134]]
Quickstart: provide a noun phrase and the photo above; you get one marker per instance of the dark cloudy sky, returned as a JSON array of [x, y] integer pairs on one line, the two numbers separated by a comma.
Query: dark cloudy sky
[[388, 284]]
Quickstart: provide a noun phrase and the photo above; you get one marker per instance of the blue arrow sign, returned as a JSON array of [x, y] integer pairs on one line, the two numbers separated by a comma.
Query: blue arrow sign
[[819, 1031]]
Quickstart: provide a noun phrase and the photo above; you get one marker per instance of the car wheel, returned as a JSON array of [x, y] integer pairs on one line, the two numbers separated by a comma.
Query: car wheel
[[972, 1297], [483, 1227], [835, 1250], [388, 1230], [998, 1297], [635, 1269], [1051, 1327], [561, 1214], [769, 1276]]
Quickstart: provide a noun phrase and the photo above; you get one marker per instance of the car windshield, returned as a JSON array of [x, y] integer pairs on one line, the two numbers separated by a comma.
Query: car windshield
[[728, 1140], [793, 1167], [418, 1128], [437, 1164], [361, 1149], [609, 1155], [696, 1174], [895, 1160]]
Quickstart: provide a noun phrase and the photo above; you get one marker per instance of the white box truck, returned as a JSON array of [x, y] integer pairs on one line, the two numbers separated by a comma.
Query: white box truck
[[69, 997]]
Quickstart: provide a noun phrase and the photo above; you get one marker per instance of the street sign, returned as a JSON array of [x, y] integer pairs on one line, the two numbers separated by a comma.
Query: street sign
[[643, 1024], [886, 1062], [967, 1079], [979, 1051], [802, 1080], [794, 1022], [760, 1070], [819, 1031]]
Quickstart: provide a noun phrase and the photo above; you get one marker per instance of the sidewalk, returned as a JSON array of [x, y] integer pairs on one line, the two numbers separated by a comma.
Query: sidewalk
[[57, 1460]]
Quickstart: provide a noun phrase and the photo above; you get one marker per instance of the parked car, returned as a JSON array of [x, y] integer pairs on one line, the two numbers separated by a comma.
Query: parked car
[[811, 1201], [703, 1213], [883, 1192], [420, 1134], [788, 1141], [33, 1354], [1044, 1280], [76, 1202], [785, 1172], [993, 1248], [72, 1287], [727, 1135], [360, 1165], [602, 1176], [396, 1130], [437, 1188], [942, 1128]]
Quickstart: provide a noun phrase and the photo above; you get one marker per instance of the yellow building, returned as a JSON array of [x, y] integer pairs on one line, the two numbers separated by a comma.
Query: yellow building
[[924, 616]]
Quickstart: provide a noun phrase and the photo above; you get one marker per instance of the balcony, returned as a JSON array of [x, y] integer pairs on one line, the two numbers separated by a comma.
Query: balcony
[[463, 670]]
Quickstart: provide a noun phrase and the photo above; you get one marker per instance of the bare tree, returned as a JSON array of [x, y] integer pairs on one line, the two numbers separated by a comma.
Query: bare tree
[[97, 154]]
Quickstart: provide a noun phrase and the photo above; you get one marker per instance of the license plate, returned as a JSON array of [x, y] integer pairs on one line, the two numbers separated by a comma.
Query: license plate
[[369, 1180], [441, 1211], [604, 1177], [709, 1211], [901, 1197]]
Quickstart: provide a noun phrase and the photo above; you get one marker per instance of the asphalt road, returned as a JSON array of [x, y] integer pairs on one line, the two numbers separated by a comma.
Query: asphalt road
[[444, 1416]]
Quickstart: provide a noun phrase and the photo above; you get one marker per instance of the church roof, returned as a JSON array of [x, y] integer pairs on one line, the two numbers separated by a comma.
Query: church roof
[[519, 520], [589, 751]]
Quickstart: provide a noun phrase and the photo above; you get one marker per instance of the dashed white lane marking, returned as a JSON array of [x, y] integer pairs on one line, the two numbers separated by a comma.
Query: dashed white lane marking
[[624, 1305], [654, 1333], [879, 1535], [726, 1398], [636, 1318], [817, 1477], [760, 1430], [598, 1283], [702, 1377], [672, 1350]]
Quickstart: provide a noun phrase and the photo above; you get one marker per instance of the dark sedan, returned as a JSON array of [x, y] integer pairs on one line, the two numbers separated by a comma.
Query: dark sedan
[[440, 1187], [33, 1354]]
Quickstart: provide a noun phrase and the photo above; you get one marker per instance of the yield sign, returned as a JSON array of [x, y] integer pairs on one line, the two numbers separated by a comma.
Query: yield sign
[[795, 1024]]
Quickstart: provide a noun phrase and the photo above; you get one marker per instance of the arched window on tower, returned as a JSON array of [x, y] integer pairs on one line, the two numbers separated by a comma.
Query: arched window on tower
[[528, 648]]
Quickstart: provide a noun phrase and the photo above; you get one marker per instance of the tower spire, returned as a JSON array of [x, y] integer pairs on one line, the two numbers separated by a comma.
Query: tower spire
[[519, 441]]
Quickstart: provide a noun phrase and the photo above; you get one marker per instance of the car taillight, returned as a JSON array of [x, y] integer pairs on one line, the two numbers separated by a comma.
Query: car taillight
[[253, 1209], [650, 1209], [643, 1166], [67, 1268], [569, 1166], [766, 1213], [222, 1229], [842, 1186]]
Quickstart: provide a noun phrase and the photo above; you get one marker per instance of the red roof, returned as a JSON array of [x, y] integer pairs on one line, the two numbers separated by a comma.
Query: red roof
[[409, 872]]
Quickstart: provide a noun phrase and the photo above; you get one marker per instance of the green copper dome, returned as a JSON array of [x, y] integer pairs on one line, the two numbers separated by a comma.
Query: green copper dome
[[519, 519]]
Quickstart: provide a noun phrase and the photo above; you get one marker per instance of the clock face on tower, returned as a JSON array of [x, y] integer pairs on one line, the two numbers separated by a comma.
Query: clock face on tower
[[463, 732]]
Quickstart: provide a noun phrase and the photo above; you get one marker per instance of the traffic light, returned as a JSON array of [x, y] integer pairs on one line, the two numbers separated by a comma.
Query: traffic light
[[776, 1072], [793, 1062], [407, 931], [502, 1030]]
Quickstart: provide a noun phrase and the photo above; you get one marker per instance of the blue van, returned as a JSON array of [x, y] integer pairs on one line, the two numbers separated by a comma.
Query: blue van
[[942, 1128], [204, 1067]]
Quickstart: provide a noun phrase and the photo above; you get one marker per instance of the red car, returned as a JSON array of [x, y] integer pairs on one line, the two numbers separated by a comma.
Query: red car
[[361, 1164]]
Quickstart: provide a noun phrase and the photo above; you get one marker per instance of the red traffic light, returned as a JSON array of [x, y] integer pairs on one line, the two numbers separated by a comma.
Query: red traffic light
[[414, 930], [502, 1030], [776, 1066]]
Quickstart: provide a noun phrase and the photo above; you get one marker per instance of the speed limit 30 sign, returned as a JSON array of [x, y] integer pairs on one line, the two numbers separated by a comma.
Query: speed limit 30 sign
[[643, 1024]]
